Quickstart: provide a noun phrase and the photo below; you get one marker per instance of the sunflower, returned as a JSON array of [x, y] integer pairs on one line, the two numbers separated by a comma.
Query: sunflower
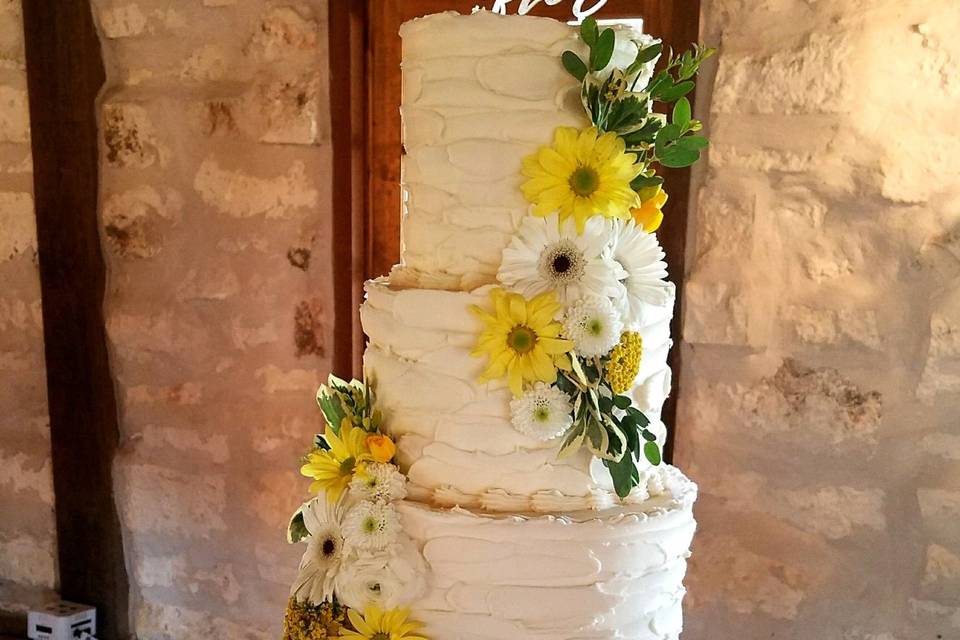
[[332, 469], [583, 174], [521, 339], [376, 624], [649, 215]]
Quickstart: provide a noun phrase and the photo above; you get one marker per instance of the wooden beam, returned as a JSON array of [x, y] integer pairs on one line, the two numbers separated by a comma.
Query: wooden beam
[[349, 95], [64, 73]]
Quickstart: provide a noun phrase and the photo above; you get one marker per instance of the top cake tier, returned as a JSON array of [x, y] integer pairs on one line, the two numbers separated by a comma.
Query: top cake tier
[[480, 92]]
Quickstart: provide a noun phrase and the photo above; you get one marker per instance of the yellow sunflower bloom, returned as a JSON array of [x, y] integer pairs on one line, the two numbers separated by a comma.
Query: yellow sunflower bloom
[[649, 215], [583, 174], [522, 340], [332, 470], [376, 624]]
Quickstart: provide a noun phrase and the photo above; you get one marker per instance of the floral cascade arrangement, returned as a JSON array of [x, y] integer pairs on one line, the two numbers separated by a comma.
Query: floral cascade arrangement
[[562, 329], [359, 569]]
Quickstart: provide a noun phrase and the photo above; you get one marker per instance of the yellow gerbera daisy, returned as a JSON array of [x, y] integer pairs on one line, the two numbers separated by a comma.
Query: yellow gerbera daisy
[[332, 470], [583, 174], [521, 339], [376, 624], [649, 215]]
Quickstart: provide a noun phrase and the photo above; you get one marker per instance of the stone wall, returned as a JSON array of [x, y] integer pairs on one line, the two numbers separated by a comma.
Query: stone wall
[[821, 385], [215, 218], [27, 528]]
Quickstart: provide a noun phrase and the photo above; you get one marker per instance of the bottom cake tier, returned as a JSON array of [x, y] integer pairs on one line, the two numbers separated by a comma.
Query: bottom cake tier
[[617, 573]]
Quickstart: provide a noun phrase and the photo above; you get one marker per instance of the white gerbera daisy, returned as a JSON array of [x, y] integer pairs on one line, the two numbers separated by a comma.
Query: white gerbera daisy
[[546, 255], [371, 526], [322, 560], [543, 412], [379, 482], [594, 326], [639, 255]]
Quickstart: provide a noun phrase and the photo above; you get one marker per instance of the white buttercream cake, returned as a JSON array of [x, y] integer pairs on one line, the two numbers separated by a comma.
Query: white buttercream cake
[[519, 542]]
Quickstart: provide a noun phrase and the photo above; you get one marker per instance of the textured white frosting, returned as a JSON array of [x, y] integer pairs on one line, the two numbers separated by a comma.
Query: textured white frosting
[[598, 576], [480, 92], [454, 436]]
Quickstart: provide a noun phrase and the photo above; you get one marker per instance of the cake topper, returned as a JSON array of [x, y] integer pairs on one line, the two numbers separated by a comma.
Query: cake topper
[[582, 9]]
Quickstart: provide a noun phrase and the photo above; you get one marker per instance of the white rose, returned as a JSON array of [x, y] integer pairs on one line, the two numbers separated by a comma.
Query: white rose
[[387, 579], [624, 53]]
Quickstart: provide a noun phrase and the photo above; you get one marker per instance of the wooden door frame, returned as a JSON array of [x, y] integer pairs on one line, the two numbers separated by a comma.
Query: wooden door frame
[[364, 56]]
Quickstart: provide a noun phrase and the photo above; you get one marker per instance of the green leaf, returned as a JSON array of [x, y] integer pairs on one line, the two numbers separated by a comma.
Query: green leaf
[[589, 31], [645, 182], [574, 65], [665, 137], [648, 435], [682, 113], [624, 474], [694, 143], [572, 442], [642, 419], [647, 54], [296, 529], [652, 452], [676, 91], [319, 442], [605, 404], [602, 52], [677, 157], [621, 402]]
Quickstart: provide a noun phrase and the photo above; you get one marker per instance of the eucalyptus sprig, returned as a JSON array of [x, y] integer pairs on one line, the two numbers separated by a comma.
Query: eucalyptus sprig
[[607, 424]]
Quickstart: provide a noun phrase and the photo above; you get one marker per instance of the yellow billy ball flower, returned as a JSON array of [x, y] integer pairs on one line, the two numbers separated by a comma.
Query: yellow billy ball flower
[[624, 364], [376, 624], [521, 339], [649, 215], [381, 448], [306, 621], [582, 175], [333, 469]]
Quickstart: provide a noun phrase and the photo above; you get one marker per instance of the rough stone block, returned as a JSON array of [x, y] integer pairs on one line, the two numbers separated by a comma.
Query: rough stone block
[[238, 194], [309, 332], [158, 500], [14, 115], [809, 78], [283, 32], [276, 380], [804, 400], [129, 137], [134, 221], [834, 327], [18, 226]]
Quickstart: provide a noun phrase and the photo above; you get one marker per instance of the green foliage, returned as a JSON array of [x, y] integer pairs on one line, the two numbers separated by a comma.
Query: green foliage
[[340, 400], [296, 529], [628, 110], [574, 65], [606, 423]]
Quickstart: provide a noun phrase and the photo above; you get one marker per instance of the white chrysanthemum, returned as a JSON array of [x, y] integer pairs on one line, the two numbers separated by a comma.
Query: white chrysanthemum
[[594, 326], [390, 578], [645, 280], [379, 482], [371, 526], [547, 256], [322, 561], [543, 412]]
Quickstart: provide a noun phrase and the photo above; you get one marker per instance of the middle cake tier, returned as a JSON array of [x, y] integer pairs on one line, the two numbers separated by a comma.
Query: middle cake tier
[[454, 434]]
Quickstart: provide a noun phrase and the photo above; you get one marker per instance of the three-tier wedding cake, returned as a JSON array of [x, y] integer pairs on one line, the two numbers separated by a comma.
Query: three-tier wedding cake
[[498, 473]]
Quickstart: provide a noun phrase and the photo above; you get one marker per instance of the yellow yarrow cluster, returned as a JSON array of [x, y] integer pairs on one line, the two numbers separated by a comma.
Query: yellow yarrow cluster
[[624, 362], [306, 621]]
